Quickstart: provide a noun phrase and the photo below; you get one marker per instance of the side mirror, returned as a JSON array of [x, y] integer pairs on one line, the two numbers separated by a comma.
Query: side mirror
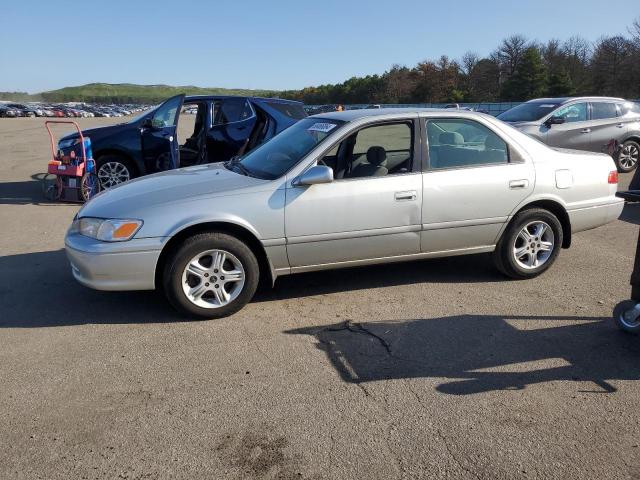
[[316, 174], [554, 121], [147, 122]]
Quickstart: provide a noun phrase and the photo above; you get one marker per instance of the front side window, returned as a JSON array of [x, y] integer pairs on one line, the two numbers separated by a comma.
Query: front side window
[[573, 113], [601, 111], [457, 143], [374, 151], [231, 110]]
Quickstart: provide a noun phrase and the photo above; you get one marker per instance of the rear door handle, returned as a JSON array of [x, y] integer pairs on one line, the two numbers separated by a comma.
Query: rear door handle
[[406, 196], [620, 125], [585, 130], [513, 184]]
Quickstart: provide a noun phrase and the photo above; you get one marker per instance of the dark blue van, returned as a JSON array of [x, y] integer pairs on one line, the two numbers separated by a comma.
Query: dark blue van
[[212, 129]]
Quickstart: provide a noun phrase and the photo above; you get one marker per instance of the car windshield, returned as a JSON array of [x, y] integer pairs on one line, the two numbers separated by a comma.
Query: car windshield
[[275, 157], [528, 112]]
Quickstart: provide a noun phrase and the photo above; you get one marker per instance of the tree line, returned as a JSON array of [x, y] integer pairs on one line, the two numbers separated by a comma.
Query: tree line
[[518, 69]]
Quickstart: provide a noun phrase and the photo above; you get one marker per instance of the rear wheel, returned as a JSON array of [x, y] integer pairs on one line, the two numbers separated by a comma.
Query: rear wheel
[[113, 170], [530, 244], [211, 275], [628, 156], [89, 185], [627, 316]]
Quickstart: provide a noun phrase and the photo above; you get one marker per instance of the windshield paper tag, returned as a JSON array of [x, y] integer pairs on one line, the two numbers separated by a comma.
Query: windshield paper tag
[[322, 127], [544, 105]]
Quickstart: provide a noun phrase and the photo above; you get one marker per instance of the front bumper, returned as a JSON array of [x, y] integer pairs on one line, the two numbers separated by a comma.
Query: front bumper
[[127, 265]]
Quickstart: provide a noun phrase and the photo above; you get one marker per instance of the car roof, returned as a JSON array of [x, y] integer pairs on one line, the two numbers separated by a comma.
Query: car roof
[[561, 100], [351, 115], [255, 99]]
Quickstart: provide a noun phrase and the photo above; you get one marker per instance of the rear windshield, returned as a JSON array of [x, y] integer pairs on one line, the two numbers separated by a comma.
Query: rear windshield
[[528, 112], [292, 110]]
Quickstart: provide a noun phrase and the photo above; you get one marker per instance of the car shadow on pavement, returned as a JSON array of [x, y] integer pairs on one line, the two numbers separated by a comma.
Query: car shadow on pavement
[[463, 269], [38, 290], [28, 192], [481, 353]]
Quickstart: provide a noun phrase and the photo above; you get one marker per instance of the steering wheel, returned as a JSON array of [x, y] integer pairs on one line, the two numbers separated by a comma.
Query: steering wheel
[[322, 162]]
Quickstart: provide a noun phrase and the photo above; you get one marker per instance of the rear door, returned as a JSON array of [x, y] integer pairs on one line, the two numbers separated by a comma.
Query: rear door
[[474, 180], [233, 122], [575, 132], [605, 125], [159, 138]]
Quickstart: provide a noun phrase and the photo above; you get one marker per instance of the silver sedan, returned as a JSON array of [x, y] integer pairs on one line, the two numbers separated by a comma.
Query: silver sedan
[[340, 190]]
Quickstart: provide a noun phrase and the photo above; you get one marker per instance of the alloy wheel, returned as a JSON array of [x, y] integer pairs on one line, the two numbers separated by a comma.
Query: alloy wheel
[[629, 156], [534, 245], [113, 173], [213, 279]]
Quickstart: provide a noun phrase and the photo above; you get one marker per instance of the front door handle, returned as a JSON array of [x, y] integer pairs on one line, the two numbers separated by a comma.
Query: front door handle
[[620, 125], [513, 184], [406, 196], [585, 130]]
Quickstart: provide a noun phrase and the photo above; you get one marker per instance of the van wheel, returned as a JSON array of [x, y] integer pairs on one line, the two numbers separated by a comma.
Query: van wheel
[[113, 170], [530, 244], [628, 156], [211, 275]]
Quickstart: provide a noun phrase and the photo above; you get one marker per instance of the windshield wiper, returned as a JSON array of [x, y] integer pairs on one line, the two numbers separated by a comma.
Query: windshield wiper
[[235, 162]]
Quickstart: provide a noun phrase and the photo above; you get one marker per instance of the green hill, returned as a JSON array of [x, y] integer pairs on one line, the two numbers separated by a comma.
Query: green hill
[[126, 93]]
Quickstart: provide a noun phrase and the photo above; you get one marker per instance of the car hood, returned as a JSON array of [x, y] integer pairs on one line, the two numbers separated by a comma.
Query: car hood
[[100, 132], [132, 198]]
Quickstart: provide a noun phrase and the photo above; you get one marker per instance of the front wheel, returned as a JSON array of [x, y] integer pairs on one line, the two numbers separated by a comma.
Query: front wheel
[[628, 156], [530, 244], [211, 275], [627, 316], [89, 185], [113, 170]]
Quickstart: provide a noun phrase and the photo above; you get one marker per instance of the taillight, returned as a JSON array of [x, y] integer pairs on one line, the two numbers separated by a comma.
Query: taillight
[[613, 176]]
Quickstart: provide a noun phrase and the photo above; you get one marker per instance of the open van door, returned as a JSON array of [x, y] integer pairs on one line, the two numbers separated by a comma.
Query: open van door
[[159, 136]]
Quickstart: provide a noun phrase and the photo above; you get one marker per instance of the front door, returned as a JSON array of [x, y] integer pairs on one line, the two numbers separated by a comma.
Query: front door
[[233, 122], [372, 208], [575, 132], [473, 182], [159, 136]]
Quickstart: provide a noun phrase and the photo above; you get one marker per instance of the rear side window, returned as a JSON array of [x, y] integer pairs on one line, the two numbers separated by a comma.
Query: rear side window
[[458, 143], [601, 111], [292, 110], [231, 110]]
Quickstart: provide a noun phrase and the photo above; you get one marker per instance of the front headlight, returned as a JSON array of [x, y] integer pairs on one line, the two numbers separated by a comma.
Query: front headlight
[[69, 142], [106, 230]]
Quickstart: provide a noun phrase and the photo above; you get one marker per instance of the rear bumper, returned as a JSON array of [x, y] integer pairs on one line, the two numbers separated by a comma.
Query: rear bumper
[[114, 266], [595, 216]]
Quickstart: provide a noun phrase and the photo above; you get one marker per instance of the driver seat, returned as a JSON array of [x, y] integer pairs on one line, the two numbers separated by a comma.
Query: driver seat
[[376, 165]]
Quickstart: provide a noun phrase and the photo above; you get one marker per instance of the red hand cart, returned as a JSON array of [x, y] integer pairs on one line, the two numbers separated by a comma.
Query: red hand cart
[[71, 177]]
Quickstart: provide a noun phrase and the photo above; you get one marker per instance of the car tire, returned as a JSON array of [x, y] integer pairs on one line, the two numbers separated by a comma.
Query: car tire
[[113, 170], [628, 156], [194, 276], [629, 325], [529, 245]]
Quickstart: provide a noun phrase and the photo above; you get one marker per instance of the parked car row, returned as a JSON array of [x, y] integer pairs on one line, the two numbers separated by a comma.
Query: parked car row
[[14, 110]]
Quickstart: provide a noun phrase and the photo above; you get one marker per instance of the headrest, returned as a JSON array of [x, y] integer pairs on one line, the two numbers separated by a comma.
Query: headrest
[[493, 143], [376, 155], [451, 138]]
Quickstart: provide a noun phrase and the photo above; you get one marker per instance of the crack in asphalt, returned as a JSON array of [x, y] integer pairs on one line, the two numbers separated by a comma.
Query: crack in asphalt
[[359, 328], [453, 456]]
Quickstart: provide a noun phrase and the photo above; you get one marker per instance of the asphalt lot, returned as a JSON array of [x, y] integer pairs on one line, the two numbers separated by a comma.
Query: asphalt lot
[[433, 369]]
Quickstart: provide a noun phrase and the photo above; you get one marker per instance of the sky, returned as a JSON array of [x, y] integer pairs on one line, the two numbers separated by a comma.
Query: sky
[[268, 44]]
